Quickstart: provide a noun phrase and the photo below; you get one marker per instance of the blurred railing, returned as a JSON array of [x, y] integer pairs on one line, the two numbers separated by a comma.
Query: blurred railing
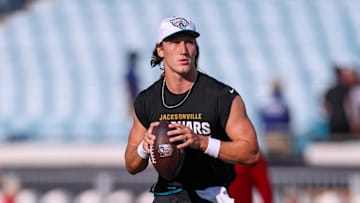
[[78, 168], [301, 183]]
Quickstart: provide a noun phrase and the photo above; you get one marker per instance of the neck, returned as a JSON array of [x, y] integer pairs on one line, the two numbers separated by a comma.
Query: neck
[[179, 84]]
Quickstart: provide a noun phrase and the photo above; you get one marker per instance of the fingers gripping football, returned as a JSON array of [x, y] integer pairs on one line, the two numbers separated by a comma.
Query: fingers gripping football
[[179, 134], [184, 136], [149, 138]]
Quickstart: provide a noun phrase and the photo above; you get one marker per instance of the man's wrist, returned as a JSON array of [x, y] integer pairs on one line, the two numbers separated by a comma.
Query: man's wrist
[[141, 152], [213, 148]]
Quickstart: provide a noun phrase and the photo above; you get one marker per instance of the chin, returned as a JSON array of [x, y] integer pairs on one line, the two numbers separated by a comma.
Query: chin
[[185, 68]]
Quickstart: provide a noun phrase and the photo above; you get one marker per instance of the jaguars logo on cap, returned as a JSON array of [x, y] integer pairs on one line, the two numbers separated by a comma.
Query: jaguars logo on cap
[[181, 23]]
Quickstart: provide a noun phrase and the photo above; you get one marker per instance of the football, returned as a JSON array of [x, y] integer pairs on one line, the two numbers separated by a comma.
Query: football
[[164, 155]]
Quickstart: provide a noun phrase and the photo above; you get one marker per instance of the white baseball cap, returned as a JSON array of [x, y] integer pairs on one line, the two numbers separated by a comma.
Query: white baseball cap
[[174, 25]]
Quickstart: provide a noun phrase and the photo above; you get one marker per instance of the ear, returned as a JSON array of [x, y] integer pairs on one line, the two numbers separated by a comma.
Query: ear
[[160, 51]]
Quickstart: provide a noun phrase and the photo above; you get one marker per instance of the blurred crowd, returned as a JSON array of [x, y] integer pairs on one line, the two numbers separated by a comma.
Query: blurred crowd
[[342, 104], [8, 6]]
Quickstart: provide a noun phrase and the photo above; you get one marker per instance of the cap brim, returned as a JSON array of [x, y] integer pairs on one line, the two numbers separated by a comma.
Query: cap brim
[[190, 32]]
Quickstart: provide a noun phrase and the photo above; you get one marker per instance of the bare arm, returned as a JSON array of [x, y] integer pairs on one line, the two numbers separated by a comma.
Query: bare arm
[[138, 133], [243, 148]]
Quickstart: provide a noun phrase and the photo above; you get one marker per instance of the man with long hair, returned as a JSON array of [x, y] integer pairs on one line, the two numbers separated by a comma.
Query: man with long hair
[[208, 118]]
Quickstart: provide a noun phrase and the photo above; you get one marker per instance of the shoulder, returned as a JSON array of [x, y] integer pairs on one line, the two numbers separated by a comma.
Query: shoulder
[[150, 90], [146, 96], [145, 102], [214, 86]]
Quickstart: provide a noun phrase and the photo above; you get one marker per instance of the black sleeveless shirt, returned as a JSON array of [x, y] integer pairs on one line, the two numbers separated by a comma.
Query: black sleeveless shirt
[[205, 111]]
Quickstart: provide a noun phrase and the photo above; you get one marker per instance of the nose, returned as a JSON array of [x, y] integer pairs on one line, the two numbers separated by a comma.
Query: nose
[[182, 47]]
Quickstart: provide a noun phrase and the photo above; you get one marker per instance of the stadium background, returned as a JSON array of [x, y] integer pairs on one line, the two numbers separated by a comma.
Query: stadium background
[[64, 112]]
